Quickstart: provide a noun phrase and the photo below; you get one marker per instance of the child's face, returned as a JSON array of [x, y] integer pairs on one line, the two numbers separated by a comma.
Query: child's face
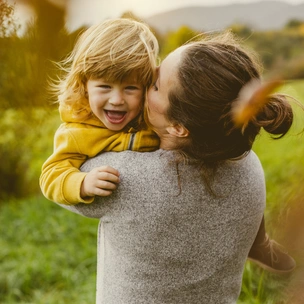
[[115, 103]]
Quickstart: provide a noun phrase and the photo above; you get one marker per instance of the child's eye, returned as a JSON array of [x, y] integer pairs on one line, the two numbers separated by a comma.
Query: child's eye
[[132, 88], [105, 86]]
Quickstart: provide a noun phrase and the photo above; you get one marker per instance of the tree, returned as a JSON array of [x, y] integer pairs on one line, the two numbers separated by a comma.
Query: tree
[[175, 39], [27, 61], [241, 30], [8, 38], [294, 24], [8, 26]]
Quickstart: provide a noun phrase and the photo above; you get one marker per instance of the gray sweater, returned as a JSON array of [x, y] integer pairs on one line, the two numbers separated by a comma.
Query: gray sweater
[[164, 239]]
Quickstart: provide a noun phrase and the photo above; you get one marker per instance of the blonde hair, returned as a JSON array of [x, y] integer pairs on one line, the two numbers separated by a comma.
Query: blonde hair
[[113, 50]]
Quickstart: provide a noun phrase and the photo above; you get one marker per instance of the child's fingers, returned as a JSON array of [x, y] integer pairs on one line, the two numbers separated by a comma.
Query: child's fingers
[[104, 188], [101, 184], [102, 192], [100, 181], [107, 177], [108, 169]]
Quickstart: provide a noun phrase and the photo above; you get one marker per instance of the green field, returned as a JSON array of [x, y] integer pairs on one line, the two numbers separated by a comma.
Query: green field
[[48, 255]]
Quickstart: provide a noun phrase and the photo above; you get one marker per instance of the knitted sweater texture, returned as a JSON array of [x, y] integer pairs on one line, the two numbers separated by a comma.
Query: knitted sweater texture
[[163, 238]]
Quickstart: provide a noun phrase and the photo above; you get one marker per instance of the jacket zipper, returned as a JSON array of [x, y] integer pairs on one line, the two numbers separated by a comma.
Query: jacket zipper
[[131, 141]]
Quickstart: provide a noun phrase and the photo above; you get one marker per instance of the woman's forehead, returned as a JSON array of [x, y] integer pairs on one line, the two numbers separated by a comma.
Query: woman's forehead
[[174, 58], [169, 66]]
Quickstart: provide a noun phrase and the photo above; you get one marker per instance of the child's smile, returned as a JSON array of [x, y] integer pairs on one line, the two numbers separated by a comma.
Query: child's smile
[[115, 117], [115, 103]]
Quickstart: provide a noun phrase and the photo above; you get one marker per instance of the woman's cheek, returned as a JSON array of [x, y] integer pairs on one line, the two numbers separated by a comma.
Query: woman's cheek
[[151, 100]]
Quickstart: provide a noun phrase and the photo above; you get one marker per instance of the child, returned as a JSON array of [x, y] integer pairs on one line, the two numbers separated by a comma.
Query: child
[[101, 98]]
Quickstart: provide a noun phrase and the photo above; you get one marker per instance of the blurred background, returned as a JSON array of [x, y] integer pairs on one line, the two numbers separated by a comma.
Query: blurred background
[[48, 255]]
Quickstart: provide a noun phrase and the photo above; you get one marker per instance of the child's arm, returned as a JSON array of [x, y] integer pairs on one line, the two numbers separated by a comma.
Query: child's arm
[[61, 180]]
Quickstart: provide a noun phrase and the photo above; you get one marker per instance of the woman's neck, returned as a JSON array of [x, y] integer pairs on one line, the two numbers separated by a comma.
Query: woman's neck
[[170, 142]]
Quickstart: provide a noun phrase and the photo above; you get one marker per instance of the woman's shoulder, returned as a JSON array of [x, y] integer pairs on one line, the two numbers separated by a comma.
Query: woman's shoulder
[[131, 159], [251, 163], [245, 175], [246, 163]]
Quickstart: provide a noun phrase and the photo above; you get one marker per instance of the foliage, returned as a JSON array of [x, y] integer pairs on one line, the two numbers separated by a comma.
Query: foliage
[[28, 118], [177, 38], [47, 254], [283, 165], [25, 143], [241, 30], [277, 49], [280, 51], [293, 69], [8, 26], [294, 23], [24, 79]]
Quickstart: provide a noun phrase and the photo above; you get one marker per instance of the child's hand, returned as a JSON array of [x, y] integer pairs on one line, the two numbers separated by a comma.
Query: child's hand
[[100, 181]]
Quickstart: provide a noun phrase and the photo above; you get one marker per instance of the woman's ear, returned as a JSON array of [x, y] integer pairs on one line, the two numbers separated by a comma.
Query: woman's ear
[[178, 131]]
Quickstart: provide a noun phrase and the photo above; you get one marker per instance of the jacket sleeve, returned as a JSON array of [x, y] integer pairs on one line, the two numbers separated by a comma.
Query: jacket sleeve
[[145, 141], [61, 179]]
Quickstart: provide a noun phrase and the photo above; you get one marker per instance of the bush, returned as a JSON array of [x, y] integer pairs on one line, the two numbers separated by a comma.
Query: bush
[[294, 69], [25, 143]]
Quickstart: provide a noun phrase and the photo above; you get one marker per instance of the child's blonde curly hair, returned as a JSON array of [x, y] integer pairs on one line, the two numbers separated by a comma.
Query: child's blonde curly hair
[[113, 50]]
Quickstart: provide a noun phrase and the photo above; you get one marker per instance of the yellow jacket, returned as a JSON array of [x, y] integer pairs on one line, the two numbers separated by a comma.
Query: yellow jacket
[[74, 143]]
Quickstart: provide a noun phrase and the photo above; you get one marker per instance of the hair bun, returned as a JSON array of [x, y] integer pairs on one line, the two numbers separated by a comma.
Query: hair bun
[[251, 99]]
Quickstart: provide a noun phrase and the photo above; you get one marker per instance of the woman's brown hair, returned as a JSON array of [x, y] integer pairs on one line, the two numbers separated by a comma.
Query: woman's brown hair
[[211, 74]]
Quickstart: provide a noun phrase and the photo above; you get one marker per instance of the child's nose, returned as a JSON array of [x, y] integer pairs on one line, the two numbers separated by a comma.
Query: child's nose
[[116, 98]]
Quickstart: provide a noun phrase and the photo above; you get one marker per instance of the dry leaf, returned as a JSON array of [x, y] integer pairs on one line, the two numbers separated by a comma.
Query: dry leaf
[[252, 97]]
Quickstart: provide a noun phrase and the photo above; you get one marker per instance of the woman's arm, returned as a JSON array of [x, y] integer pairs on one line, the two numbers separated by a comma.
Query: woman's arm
[[93, 210]]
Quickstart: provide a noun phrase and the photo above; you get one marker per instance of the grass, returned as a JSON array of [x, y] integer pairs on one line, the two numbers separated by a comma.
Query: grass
[[282, 159], [48, 255], [283, 164]]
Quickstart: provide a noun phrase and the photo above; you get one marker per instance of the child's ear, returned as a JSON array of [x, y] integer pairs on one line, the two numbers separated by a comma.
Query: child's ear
[[178, 131]]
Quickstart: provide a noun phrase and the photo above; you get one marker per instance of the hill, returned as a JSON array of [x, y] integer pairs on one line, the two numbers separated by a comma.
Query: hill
[[263, 15]]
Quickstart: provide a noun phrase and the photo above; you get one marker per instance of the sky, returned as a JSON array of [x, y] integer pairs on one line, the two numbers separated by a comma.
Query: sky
[[88, 12]]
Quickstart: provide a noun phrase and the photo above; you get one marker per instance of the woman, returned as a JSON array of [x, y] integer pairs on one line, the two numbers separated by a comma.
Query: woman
[[180, 225]]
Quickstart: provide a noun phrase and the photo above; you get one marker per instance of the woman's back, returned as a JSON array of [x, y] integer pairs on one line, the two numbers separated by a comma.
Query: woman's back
[[163, 238]]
